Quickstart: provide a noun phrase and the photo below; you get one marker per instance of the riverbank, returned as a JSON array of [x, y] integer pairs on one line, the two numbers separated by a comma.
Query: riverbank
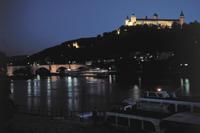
[[22, 123]]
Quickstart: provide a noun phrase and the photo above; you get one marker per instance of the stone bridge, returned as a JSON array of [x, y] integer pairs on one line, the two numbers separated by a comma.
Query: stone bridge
[[54, 68]]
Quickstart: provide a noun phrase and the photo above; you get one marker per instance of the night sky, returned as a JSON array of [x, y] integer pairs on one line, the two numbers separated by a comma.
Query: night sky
[[28, 26]]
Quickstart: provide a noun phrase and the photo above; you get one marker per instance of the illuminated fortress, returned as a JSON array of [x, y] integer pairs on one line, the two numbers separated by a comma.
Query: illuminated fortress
[[133, 21]]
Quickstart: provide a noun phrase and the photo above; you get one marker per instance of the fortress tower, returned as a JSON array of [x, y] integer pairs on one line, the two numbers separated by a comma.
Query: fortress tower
[[131, 21], [155, 16], [133, 18], [127, 21], [182, 18]]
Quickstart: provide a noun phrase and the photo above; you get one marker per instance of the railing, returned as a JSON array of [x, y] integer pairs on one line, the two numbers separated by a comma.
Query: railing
[[192, 106], [133, 121]]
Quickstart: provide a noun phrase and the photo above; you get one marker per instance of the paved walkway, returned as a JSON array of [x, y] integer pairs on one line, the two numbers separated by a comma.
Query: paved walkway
[[36, 124]]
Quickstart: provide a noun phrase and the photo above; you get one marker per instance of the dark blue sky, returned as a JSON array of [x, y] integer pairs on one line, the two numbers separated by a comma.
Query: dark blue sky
[[28, 26]]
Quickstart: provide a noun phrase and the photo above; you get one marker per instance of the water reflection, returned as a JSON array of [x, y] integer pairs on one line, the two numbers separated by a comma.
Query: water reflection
[[72, 100], [48, 87], [29, 94], [72, 93], [33, 92], [185, 86], [49, 80], [11, 88], [136, 92], [29, 88], [75, 93]]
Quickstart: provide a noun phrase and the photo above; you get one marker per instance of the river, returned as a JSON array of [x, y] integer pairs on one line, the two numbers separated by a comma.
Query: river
[[74, 93]]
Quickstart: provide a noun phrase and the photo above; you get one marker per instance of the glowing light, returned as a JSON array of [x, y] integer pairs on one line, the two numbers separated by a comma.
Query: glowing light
[[133, 21], [88, 63], [118, 32], [159, 89], [75, 45]]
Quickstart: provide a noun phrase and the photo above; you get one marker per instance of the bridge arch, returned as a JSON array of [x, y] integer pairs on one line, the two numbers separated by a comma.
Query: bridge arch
[[43, 71], [82, 68], [24, 71], [61, 69]]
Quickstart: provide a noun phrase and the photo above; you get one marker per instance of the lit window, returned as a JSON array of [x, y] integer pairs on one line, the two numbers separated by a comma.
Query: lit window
[[75, 45]]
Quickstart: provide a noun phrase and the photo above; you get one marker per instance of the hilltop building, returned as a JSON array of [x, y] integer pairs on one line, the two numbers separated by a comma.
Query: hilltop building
[[155, 20]]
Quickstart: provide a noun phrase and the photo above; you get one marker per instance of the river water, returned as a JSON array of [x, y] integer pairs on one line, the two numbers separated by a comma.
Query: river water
[[73, 93]]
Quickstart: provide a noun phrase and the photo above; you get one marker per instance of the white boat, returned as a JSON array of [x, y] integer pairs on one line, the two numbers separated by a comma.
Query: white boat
[[157, 94]]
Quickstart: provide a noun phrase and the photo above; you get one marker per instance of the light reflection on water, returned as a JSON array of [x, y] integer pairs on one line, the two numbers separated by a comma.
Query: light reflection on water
[[185, 86], [75, 93], [29, 93], [70, 93], [136, 92], [49, 80]]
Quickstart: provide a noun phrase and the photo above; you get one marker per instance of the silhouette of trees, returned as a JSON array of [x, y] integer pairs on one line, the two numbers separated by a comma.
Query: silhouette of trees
[[131, 39]]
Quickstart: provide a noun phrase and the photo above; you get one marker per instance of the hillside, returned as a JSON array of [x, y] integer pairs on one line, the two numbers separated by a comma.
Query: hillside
[[125, 42]]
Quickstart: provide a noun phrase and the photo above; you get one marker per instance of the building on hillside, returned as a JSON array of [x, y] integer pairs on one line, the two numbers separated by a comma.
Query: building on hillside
[[155, 20]]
